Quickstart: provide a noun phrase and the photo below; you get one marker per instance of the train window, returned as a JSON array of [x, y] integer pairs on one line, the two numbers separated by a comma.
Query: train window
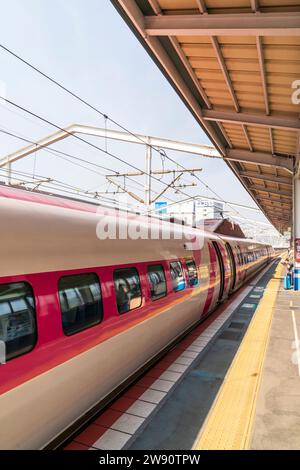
[[157, 281], [17, 319], [177, 276], [240, 256], [80, 301], [192, 273], [128, 289]]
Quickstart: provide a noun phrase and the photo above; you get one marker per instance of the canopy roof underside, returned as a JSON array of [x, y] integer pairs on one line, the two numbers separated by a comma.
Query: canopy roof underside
[[234, 63]]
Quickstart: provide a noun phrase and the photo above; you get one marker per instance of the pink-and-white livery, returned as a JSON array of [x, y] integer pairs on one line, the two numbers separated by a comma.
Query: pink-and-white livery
[[79, 316]]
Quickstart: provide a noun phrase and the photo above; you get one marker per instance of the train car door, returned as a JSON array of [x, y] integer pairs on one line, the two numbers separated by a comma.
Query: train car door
[[221, 266], [232, 266]]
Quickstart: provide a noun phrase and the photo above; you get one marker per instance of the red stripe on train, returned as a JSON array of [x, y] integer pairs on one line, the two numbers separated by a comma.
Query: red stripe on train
[[53, 347], [212, 278]]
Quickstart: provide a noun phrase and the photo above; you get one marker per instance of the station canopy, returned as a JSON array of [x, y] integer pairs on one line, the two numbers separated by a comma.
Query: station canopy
[[234, 63]]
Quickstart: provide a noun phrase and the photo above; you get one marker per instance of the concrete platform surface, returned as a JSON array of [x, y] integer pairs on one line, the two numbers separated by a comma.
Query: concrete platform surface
[[277, 421]]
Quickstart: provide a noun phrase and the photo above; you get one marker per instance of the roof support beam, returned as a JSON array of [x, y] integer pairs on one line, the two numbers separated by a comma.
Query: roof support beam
[[243, 24], [262, 67], [271, 140], [276, 122], [281, 218], [284, 222], [247, 137], [259, 158], [225, 72], [190, 70], [275, 201], [267, 178], [286, 194], [285, 215], [281, 215], [280, 224], [278, 211], [254, 6], [74, 129], [201, 6], [285, 210], [222, 128], [157, 10], [155, 7]]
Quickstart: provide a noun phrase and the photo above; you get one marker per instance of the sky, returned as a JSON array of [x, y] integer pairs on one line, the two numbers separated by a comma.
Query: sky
[[86, 46]]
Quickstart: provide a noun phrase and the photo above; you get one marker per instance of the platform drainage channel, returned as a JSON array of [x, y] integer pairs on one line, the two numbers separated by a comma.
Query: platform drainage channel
[[237, 325], [246, 313], [231, 335]]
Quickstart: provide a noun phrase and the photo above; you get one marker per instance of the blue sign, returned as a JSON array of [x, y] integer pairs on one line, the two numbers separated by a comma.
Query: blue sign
[[161, 207]]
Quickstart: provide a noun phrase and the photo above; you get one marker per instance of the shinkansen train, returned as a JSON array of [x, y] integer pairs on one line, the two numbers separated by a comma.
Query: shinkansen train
[[81, 314]]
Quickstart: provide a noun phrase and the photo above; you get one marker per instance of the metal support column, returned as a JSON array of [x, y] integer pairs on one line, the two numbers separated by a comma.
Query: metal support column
[[297, 233], [148, 174], [8, 174]]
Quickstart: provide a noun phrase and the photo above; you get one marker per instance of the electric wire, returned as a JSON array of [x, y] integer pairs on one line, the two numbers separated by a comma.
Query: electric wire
[[62, 155], [106, 118], [104, 115]]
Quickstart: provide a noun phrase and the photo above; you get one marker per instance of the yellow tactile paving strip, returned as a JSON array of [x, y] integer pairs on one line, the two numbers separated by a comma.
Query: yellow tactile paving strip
[[229, 423]]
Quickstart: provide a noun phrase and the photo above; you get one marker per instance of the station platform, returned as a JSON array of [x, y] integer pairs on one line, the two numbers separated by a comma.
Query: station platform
[[232, 383]]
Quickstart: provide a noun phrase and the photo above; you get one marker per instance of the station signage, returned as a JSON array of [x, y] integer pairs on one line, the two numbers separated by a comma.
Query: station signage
[[161, 207]]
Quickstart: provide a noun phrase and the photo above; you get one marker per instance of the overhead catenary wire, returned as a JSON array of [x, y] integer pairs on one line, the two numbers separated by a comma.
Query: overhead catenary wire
[[62, 187], [76, 96], [62, 155], [94, 108], [73, 190], [83, 140], [31, 141], [202, 182], [104, 115]]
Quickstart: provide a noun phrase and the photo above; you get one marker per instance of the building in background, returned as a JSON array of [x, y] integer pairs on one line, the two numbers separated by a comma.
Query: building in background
[[191, 212], [267, 235], [209, 215], [207, 209]]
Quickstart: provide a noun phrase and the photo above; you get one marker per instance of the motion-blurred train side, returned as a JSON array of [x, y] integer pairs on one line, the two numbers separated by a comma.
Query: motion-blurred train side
[[80, 316]]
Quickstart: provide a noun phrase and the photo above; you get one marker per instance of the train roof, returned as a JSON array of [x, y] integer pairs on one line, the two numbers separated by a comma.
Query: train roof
[[72, 203]]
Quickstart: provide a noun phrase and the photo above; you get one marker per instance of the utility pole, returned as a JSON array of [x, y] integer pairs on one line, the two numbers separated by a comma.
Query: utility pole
[[8, 176], [148, 200], [148, 174], [124, 190]]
